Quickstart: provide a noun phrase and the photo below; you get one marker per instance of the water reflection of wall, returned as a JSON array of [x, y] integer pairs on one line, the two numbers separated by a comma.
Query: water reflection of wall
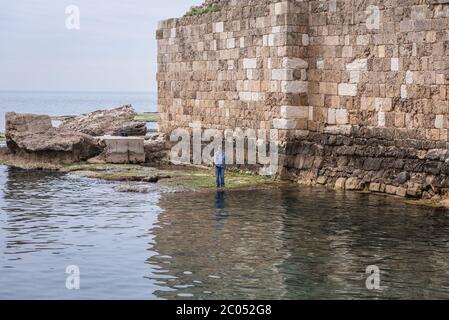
[[298, 244], [223, 245], [337, 236]]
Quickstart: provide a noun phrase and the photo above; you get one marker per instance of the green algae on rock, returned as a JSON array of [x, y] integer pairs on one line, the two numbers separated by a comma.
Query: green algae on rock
[[182, 177], [147, 117]]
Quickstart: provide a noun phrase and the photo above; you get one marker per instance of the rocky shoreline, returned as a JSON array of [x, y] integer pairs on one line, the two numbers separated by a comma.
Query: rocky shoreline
[[93, 145], [370, 160], [363, 160], [136, 177]]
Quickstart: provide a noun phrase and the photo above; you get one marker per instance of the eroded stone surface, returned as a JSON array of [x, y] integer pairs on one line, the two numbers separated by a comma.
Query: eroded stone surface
[[33, 137], [376, 91], [106, 122]]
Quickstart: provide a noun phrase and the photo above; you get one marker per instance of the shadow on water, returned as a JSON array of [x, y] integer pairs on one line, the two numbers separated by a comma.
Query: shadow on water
[[284, 243]]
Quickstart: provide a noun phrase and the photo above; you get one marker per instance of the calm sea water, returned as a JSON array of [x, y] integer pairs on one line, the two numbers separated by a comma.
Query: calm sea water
[[285, 243], [71, 103]]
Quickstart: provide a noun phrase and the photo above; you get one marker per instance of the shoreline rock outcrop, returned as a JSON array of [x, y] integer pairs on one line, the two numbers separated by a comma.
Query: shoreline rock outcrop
[[79, 138], [32, 137], [106, 122]]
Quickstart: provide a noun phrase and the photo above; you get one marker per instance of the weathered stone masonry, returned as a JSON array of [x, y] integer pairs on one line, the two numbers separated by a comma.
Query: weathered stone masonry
[[361, 103]]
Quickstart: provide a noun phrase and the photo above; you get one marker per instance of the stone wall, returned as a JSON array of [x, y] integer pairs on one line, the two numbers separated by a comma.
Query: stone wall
[[359, 89], [393, 76], [234, 68]]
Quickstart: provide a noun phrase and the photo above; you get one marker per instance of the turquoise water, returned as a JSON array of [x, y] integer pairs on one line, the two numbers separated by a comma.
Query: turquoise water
[[71, 103], [280, 243]]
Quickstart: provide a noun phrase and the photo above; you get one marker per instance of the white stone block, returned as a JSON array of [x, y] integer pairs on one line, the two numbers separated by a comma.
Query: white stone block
[[282, 74], [292, 112], [268, 40], [305, 40], [409, 77], [344, 129], [294, 86], [439, 121], [271, 40], [381, 119], [311, 113], [276, 29], [294, 63], [358, 65], [284, 124], [333, 6], [250, 63], [230, 43], [242, 42], [404, 91], [245, 96], [347, 89], [381, 51], [341, 116], [394, 64], [320, 64], [281, 8], [378, 103], [354, 76], [331, 116], [173, 33], [218, 27]]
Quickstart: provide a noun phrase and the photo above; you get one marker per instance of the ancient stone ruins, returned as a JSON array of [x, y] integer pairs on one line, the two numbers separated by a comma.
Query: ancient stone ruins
[[93, 137], [358, 89]]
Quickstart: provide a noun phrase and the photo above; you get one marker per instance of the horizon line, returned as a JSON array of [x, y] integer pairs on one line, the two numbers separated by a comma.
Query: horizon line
[[76, 91]]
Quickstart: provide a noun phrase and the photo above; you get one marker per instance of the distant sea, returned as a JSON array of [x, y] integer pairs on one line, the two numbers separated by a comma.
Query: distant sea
[[71, 103]]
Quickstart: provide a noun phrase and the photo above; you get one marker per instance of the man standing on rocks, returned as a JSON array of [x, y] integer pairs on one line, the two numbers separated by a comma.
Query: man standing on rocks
[[219, 161]]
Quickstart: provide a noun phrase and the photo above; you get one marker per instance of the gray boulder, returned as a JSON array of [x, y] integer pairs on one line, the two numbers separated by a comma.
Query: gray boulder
[[106, 122], [33, 137], [157, 149]]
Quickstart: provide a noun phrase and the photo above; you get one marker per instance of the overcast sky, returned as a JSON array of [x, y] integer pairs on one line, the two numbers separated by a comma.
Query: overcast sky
[[114, 49]]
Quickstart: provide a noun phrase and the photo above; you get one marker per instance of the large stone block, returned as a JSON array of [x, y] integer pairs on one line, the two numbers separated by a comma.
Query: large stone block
[[292, 112], [347, 89], [284, 124], [294, 86], [124, 149]]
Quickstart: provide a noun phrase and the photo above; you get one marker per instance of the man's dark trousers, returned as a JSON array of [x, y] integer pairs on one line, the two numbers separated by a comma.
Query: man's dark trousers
[[219, 174]]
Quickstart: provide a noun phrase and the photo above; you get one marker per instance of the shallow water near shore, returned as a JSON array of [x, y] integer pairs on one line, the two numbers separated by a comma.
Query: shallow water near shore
[[280, 243]]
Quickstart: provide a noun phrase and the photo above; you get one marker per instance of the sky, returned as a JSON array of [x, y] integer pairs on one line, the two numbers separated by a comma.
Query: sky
[[114, 49]]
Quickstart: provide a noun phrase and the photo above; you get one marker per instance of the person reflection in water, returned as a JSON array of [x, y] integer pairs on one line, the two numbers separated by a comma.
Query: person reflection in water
[[220, 162], [219, 206]]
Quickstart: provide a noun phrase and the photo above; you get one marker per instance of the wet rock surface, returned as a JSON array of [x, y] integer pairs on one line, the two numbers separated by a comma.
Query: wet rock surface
[[367, 160]]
